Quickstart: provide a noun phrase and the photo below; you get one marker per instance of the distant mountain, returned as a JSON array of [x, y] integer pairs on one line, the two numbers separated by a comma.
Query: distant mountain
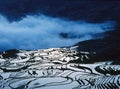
[[106, 48]]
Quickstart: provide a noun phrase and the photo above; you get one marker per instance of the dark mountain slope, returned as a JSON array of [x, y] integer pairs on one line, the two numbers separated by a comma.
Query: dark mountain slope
[[106, 49]]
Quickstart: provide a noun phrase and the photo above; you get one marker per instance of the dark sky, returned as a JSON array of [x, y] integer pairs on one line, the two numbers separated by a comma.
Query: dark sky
[[34, 24], [89, 10]]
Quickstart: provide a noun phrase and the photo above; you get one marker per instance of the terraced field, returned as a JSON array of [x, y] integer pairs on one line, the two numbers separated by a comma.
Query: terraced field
[[56, 68]]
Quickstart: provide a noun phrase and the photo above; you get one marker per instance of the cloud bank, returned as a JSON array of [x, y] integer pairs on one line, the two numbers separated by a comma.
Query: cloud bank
[[36, 32]]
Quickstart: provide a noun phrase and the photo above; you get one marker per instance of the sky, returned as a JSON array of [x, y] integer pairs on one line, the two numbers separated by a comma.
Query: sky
[[30, 25]]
